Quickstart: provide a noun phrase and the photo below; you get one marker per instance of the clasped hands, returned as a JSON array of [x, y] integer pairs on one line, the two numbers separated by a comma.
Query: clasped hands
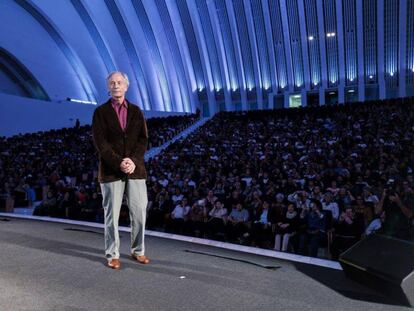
[[127, 166]]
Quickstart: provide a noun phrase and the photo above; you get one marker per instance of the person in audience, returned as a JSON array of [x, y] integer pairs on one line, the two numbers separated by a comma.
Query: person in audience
[[197, 218], [300, 198], [363, 210], [177, 197], [375, 225], [329, 205], [219, 191], [160, 210], [314, 221], [237, 223], [217, 221], [347, 231], [67, 206], [261, 231], [30, 193], [286, 228], [48, 205], [316, 194], [179, 216], [333, 188], [398, 206], [344, 198], [369, 196], [210, 199]]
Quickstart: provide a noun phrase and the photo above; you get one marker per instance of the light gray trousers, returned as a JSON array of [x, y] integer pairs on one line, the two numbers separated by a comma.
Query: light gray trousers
[[137, 199], [285, 244]]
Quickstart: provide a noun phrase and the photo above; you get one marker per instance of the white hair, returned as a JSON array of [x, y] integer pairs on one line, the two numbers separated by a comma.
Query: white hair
[[124, 75]]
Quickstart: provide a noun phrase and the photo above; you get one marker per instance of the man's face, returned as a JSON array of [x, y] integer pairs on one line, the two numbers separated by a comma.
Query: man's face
[[117, 86]]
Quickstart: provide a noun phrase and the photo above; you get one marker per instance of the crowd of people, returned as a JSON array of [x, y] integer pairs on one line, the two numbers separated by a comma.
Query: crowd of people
[[163, 129], [299, 180], [59, 168]]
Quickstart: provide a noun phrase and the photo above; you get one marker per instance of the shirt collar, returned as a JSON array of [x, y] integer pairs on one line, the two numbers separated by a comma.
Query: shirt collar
[[116, 104]]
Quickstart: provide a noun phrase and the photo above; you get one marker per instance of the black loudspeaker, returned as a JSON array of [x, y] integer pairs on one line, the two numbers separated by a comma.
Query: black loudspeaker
[[383, 263]]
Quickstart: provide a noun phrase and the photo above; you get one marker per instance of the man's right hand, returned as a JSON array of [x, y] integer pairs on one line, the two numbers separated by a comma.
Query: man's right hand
[[127, 166]]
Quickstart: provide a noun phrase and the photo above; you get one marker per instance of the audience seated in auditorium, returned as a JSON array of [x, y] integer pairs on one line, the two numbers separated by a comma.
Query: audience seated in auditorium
[[62, 159], [328, 161], [331, 154]]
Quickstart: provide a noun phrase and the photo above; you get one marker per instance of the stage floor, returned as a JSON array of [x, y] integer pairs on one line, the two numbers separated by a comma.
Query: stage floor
[[54, 266]]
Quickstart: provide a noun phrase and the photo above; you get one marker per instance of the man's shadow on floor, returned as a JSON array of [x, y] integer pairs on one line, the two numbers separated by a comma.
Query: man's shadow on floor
[[90, 253]]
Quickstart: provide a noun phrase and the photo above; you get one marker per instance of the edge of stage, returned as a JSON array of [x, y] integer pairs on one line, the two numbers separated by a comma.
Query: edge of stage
[[56, 264], [229, 246]]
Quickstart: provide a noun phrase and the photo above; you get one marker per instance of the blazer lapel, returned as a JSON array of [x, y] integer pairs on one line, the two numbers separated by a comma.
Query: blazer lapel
[[129, 115], [113, 118]]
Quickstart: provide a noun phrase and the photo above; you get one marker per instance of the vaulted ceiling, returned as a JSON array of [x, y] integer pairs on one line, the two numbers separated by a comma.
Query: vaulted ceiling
[[213, 54]]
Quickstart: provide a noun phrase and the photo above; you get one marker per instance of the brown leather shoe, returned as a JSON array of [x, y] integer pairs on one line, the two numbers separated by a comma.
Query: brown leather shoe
[[141, 259], [114, 264]]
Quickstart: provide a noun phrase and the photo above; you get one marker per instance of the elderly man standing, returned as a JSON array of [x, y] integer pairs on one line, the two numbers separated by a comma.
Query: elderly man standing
[[120, 136]]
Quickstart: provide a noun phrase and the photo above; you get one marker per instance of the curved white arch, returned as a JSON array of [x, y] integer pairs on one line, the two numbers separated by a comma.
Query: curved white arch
[[222, 54], [205, 61], [239, 61], [24, 31]]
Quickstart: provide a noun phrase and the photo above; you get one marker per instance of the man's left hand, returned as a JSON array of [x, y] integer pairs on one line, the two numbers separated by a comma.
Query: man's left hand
[[127, 166]]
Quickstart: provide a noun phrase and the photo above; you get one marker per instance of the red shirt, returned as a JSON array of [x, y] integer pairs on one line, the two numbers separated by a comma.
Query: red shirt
[[121, 111]]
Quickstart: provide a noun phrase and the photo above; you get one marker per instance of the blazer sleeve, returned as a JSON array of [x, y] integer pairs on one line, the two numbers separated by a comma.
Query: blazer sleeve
[[142, 140], [105, 150]]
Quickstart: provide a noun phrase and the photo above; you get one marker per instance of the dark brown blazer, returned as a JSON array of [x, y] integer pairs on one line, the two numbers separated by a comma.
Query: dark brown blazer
[[114, 144]]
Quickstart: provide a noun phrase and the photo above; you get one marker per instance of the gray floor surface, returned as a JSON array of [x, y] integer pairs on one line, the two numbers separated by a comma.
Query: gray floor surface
[[45, 266]]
